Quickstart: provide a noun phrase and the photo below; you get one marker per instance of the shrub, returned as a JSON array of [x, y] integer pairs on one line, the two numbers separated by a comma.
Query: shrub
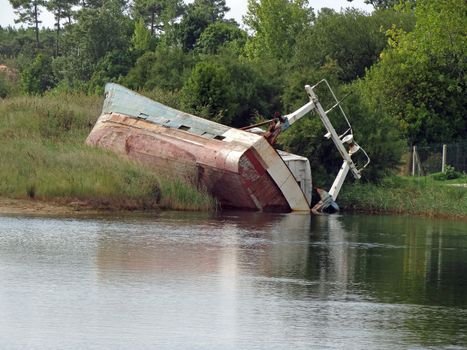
[[38, 77], [4, 89], [229, 91], [449, 174]]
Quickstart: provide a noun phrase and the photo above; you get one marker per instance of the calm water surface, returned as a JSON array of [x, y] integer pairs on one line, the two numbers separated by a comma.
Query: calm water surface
[[233, 281]]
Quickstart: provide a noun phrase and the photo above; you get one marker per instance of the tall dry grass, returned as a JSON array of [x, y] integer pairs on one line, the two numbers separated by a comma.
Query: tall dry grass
[[407, 195], [43, 156]]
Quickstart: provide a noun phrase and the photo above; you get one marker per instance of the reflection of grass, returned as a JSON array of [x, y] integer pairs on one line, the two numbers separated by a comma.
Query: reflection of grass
[[407, 195], [43, 156]]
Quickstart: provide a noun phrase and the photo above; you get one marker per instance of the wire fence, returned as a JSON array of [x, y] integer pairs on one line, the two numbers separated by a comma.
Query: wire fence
[[431, 159]]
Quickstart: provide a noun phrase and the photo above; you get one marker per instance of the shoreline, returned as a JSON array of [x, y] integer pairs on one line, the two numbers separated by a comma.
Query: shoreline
[[83, 208], [32, 207], [442, 216]]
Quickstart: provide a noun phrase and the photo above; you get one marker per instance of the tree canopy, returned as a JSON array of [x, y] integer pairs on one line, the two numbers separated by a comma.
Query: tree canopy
[[404, 64], [420, 79]]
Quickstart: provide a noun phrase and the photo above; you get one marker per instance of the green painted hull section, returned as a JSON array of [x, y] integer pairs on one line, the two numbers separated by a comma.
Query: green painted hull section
[[124, 101]]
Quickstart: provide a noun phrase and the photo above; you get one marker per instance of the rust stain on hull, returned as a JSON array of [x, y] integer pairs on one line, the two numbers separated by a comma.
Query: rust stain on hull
[[235, 175], [241, 169]]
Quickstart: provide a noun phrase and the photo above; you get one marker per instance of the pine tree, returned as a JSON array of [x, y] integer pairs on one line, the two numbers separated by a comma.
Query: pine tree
[[156, 12], [61, 9], [28, 12]]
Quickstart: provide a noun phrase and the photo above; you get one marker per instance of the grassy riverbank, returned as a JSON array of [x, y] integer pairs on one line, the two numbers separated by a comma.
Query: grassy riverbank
[[43, 157], [408, 195]]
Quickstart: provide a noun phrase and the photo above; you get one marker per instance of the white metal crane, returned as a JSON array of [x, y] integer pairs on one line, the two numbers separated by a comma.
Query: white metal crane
[[328, 199]]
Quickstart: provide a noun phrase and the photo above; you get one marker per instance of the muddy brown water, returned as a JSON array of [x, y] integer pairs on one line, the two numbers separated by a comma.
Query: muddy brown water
[[232, 281]]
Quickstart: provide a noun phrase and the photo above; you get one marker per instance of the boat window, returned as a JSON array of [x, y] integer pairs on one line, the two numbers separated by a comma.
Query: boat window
[[184, 127], [219, 137]]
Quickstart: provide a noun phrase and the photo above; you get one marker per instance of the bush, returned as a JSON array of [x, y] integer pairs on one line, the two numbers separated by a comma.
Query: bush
[[229, 91], [4, 88], [165, 68], [449, 174], [38, 77], [219, 34], [111, 68]]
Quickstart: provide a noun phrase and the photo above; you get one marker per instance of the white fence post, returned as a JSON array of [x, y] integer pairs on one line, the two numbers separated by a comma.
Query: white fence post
[[443, 165], [414, 152]]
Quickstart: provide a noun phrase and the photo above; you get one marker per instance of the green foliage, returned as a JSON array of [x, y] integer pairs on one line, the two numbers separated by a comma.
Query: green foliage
[[20, 47], [449, 174], [111, 68], [157, 14], [199, 15], [28, 12], [61, 9], [38, 77], [4, 88], [420, 80], [414, 94], [98, 31], [166, 68], [351, 38], [207, 92], [388, 4], [218, 35], [416, 196], [277, 25], [73, 71], [305, 137], [141, 39], [93, 43], [229, 91], [168, 98], [377, 133]]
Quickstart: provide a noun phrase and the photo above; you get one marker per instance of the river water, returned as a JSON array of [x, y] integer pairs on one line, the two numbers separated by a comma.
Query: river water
[[232, 281]]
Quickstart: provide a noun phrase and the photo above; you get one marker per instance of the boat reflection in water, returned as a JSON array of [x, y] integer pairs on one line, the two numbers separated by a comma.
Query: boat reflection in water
[[233, 281]]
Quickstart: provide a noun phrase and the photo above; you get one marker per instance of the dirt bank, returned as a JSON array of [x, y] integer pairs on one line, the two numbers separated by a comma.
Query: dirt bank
[[72, 208]]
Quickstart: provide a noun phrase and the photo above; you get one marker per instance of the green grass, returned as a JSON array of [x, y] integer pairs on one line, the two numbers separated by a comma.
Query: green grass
[[43, 156], [408, 195]]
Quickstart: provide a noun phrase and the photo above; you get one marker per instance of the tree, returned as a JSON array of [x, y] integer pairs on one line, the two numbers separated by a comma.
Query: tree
[[199, 15], [141, 39], [276, 25], [157, 13], [353, 39], [420, 80], [166, 68], [111, 68], [217, 35], [96, 33], [28, 12], [386, 4], [229, 91], [38, 76], [95, 4], [61, 9]]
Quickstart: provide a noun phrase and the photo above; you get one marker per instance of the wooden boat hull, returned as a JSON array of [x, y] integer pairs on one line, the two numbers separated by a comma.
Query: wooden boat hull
[[238, 168]]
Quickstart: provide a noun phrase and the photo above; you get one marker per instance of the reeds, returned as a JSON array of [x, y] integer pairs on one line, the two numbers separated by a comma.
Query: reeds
[[43, 156], [406, 195]]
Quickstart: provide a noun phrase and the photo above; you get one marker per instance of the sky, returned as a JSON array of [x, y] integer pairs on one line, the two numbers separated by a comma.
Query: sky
[[237, 10]]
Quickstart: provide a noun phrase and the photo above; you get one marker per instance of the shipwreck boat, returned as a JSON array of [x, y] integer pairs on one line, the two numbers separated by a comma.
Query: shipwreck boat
[[239, 167]]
